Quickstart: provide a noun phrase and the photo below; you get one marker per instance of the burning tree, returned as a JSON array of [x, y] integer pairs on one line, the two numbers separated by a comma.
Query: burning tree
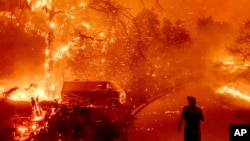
[[227, 52], [175, 34], [95, 26], [242, 47], [99, 39]]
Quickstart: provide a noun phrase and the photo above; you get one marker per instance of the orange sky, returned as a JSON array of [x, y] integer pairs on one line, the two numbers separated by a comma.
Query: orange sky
[[233, 11]]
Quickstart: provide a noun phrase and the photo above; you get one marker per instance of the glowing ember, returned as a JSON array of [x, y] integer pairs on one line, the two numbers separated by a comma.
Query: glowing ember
[[35, 123], [22, 129], [233, 66], [64, 49], [38, 118], [27, 93], [52, 24], [39, 4], [34, 127], [234, 93]]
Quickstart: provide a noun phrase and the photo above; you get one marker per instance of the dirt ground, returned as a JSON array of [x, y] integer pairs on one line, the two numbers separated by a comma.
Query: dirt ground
[[8, 111], [158, 121]]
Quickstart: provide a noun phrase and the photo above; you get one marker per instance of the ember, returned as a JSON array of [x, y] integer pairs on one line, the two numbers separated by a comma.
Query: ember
[[234, 93], [26, 94], [149, 47]]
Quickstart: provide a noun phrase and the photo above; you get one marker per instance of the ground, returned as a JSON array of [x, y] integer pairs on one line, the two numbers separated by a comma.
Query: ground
[[158, 121]]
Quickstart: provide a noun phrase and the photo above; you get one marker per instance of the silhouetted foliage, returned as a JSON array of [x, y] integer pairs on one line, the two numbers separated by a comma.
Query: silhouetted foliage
[[175, 34], [205, 22], [242, 46], [149, 26], [244, 37], [90, 124], [208, 24]]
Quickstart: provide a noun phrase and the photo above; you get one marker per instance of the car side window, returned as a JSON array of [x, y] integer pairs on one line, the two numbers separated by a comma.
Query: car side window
[[101, 86]]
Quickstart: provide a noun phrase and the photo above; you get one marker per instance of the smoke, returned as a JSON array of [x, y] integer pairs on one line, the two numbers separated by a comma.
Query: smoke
[[22, 55], [150, 65], [211, 30], [228, 11]]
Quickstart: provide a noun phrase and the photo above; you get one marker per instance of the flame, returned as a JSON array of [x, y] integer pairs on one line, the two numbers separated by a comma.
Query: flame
[[38, 118], [22, 129], [52, 24], [27, 93], [49, 30], [233, 66], [86, 25], [34, 125], [233, 92], [7, 15], [65, 49], [37, 4]]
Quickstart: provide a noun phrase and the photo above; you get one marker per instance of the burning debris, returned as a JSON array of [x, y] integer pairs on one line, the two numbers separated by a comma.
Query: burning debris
[[9, 92], [51, 120], [31, 125], [24, 94], [102, 39], [65, 122], [233, 93]]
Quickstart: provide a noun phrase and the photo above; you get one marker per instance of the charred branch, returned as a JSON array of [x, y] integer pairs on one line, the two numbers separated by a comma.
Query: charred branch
[[105, 6], [9, 92], [52, 12], [84, 36]]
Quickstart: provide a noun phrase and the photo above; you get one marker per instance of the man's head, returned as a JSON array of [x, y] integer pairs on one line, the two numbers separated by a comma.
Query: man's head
[[191, 100]]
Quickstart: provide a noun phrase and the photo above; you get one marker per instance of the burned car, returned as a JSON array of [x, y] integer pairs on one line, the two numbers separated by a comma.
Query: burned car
[[93, 93]]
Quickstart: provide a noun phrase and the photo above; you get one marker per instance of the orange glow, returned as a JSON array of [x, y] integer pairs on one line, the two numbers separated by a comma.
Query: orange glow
[[52, 24], [26, 94], [22, 129], [34, 127], [59, 53], [35, 123], [233, 66], [36, 4], [86, 25], [48, 75], [38, 118], [46, 51], [7, 15], [233, 92]]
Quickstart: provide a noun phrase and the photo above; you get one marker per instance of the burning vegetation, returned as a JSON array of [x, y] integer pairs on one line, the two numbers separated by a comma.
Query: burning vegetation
[[47, 42]]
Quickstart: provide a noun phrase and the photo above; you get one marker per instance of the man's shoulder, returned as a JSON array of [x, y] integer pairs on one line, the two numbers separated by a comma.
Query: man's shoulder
[[198, 108]]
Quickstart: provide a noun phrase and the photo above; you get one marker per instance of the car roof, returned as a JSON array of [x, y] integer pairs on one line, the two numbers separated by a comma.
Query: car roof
[[82, 85]]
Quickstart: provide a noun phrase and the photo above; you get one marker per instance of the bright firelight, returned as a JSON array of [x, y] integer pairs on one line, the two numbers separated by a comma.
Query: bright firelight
[[39, 3], [26, 94], [22, 129], [233, 92]]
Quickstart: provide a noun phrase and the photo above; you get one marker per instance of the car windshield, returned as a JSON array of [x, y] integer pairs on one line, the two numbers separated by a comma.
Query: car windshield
[[85, 86]]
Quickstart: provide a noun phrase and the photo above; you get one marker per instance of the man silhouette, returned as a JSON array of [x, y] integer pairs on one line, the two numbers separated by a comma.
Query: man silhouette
[[192, 115]]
